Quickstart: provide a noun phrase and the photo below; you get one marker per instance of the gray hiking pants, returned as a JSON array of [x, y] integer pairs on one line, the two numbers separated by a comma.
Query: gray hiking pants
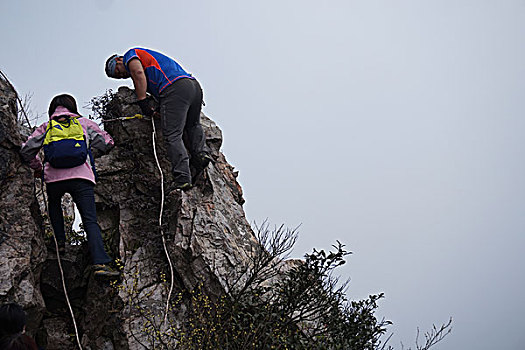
[[180, 109]]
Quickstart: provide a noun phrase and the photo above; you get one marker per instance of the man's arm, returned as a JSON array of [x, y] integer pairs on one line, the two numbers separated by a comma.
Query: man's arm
[[139, 78]]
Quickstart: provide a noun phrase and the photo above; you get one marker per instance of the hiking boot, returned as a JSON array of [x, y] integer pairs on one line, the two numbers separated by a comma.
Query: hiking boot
[[200, 162], [51, 247], [203, 159], [61, 247], [179, 186], [104, 270]]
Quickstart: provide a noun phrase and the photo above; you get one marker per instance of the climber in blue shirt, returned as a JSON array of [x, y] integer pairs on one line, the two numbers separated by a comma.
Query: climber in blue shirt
[[180, 99]]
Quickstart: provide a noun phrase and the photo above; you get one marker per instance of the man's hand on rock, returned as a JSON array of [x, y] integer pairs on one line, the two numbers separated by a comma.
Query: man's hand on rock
[[145, 108]]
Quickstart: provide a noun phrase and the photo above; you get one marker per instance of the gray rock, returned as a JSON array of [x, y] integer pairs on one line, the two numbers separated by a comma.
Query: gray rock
[[206, 231], [207, 236], [21, 247]]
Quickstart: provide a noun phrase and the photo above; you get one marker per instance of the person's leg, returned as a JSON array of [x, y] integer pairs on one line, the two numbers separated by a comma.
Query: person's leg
[[193, 129], [84, 197], [174, 104], [194, 135], [55, 191]]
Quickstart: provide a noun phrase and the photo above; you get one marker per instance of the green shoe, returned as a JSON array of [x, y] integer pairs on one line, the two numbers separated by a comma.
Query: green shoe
[[182, 186], [200, 163], [185, 186], [103, 270], [203, 159]]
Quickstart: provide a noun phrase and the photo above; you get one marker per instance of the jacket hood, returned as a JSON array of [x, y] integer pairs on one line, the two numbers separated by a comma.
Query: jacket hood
[[60, 110]]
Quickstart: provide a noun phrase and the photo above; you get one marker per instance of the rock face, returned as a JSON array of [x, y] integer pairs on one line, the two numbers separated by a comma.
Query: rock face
[[21, 247], [206, 236]]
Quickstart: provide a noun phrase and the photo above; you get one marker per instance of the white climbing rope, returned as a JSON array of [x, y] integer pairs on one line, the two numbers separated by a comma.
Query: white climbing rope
[[160, 221], [62, 274]]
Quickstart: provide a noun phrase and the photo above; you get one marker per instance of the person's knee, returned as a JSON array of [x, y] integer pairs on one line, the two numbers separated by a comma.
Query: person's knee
[[174, 140], [173, 132]]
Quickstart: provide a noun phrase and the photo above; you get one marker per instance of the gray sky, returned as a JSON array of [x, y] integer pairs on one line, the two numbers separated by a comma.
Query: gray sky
[[395, 127]]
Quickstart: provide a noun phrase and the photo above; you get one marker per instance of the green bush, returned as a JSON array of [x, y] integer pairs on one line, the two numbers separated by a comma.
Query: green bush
[[274, 305], [304, 308]]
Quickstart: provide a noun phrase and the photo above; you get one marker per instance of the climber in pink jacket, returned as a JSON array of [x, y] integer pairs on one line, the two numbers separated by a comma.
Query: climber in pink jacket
[[98, 139], [76, 177]]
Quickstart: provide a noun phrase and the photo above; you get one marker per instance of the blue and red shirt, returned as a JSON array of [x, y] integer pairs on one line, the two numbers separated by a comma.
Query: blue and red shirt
[[161, 71]]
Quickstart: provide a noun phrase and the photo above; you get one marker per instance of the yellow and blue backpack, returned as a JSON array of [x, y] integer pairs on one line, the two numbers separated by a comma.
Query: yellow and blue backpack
[[65, 144]]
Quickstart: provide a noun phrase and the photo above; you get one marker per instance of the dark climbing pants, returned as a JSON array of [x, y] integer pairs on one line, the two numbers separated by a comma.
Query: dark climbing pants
[[180, 109], [83, 195]]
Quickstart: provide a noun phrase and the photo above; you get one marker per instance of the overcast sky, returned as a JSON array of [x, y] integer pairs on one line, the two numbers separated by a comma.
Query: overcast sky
[[395, 127]]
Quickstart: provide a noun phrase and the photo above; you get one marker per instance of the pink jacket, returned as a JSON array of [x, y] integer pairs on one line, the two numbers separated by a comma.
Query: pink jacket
[[97, 138]]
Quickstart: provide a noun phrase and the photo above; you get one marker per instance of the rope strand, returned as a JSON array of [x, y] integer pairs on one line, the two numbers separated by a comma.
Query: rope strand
[[62, 275], [160, 222]]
